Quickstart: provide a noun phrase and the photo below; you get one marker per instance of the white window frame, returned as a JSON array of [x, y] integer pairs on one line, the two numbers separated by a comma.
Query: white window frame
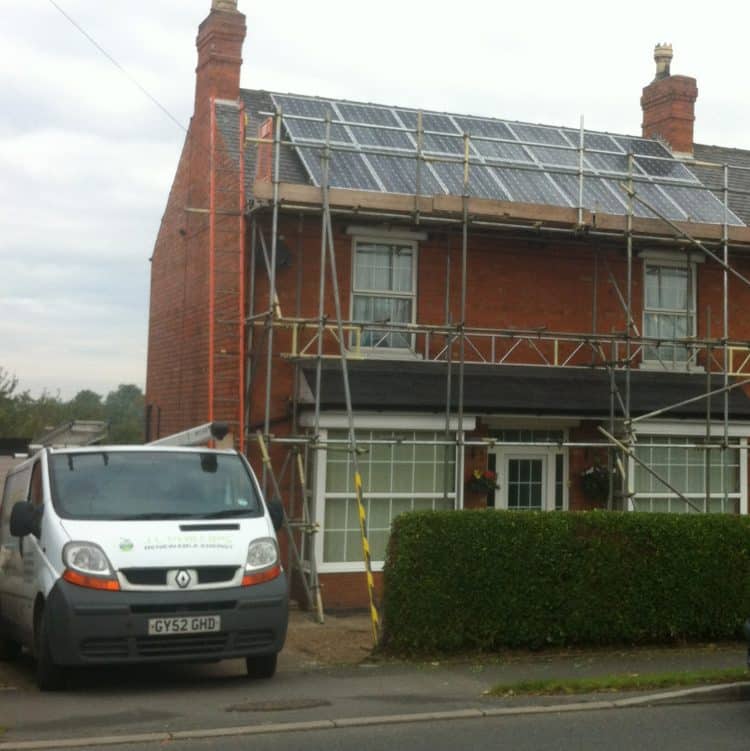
[[386, 238], [373, 422], [665, 259], [696, 430]]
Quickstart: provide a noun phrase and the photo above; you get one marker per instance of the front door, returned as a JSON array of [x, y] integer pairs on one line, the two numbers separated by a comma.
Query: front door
[[523, 483]]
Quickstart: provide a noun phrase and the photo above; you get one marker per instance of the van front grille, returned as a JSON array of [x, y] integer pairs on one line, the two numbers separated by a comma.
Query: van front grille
[[103, 649], [182, 645], [253, 639], [157, 576]]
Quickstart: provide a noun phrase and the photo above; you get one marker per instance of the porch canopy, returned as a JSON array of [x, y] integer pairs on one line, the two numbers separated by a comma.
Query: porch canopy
[[397, 385]]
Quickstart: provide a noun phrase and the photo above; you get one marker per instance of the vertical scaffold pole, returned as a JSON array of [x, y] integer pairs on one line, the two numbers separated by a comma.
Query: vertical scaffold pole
[[241, 283], [580, 173], [325, 170], [211, 254], [272, 281], [462, 322], [354, 452], [725, 324], [628, 328]]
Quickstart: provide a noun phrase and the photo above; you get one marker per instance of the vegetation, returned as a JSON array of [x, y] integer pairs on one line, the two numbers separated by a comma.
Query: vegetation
[[23, 416], [467, 580], [627, 682]]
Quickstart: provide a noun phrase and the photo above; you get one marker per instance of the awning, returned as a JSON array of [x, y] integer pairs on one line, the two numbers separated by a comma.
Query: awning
[[391, 385]]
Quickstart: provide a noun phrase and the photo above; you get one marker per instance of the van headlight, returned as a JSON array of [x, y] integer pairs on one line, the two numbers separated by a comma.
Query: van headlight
[[262, 563], [87, 565]]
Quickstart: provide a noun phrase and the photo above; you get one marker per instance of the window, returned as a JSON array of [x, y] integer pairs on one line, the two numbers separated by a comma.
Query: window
[[669, 310], [396, 477], [684, 467], [384, 285]]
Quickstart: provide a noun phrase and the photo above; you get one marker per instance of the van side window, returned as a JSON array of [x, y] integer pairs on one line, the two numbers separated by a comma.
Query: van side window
[[36, 494]]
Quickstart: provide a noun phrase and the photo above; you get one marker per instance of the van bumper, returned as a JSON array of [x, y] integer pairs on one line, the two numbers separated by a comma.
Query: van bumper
[[89, 626]]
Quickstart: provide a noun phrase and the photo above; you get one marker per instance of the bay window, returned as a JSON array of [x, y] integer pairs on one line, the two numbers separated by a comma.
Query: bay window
[[397, 476]]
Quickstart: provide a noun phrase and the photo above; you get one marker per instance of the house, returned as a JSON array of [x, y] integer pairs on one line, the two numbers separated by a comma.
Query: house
[[561, 307]]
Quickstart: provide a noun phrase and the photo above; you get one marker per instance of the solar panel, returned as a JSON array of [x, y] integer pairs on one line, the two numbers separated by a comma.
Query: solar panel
[[482, 182], [597, 194], [642, 146], [555, 157], [531, 187], [538, 134], [382, 146], [666, 168]]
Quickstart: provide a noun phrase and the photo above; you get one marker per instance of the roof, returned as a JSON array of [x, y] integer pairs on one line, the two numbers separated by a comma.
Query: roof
[[516, 389], [374, 149], [739, 179]]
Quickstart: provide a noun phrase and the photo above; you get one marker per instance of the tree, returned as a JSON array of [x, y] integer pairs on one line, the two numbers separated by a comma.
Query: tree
[[8, 415], [124, 410], [86, 405]]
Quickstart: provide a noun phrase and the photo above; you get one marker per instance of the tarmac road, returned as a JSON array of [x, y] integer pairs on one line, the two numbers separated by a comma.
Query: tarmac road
[[167, 700], [724, 726]]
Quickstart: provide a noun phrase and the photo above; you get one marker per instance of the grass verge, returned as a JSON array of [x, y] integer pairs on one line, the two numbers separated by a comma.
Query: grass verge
[[620, 682]]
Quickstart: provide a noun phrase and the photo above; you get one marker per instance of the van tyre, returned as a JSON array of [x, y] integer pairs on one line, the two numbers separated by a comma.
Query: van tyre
[[261, 666], [49, 675]]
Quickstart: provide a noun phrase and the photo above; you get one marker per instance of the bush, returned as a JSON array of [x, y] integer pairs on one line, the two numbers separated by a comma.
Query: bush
[[461, 580]]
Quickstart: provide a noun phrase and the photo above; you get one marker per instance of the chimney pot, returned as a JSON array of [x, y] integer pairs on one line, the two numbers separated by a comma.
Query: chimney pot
[[226, 5], [662, 57]]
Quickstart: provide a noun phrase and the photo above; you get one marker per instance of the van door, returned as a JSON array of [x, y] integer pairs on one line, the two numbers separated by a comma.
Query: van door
[[30, 555], [12, 601]]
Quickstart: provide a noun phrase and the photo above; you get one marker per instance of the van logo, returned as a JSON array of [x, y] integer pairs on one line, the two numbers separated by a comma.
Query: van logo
[[182, 579], [126, 545]]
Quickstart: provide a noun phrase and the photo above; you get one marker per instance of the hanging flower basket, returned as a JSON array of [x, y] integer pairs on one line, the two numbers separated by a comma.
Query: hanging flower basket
[[595, 482], [482, 482]]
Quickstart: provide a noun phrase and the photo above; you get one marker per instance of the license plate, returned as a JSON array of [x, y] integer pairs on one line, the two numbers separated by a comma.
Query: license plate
[[190, 624]]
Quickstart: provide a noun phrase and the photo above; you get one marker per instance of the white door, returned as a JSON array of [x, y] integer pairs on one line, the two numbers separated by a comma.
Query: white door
[[524, 482]]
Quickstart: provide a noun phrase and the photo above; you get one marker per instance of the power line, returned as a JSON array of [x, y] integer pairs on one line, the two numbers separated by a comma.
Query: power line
[[122, 70]]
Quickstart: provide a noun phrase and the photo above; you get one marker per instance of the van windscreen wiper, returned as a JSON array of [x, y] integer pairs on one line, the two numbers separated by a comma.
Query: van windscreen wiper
[[227, 513], [158, 515]]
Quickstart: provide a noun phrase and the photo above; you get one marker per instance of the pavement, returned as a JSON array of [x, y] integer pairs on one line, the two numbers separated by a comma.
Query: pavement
[[315, 688]]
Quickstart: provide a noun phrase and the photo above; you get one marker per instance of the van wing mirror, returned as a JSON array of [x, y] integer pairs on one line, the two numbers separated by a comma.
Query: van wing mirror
[[276, 510], [26, 519]]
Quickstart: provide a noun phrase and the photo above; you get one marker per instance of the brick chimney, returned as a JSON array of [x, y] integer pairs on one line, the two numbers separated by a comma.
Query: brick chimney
[[668, 104], [219, 44]]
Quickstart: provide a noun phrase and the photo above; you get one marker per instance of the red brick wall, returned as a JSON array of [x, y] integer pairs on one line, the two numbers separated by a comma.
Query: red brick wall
[[348, 591]]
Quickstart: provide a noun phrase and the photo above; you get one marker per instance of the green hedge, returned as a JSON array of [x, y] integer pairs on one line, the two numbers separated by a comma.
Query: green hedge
[[461, 580]]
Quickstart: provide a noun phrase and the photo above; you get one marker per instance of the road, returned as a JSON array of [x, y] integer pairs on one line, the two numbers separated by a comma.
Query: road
[[700, 727], [168, 700]]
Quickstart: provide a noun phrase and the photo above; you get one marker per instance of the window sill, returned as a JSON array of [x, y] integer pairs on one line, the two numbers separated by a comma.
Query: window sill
[[664, 367], [383, 353]]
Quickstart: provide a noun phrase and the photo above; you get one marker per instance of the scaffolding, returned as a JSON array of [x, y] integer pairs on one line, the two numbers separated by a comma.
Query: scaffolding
[[455, 343]]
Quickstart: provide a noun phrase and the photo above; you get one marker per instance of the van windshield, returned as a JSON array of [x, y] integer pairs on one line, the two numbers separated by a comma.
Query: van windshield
[[134, 485]]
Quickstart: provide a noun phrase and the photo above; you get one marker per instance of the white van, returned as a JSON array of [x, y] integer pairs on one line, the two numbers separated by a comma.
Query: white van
[[126, 554]]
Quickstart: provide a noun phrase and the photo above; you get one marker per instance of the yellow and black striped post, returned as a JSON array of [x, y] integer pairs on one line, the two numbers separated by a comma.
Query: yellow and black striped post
[[374, 618]]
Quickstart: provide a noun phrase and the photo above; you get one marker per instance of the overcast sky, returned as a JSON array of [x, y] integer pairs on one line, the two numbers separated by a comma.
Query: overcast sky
[[86, 160]]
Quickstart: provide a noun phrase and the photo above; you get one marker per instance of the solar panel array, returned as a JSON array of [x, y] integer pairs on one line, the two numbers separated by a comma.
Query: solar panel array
[[375, 148]]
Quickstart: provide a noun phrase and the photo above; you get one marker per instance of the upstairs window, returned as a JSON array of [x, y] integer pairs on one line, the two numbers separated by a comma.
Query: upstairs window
[[669, 312], [384, 290]]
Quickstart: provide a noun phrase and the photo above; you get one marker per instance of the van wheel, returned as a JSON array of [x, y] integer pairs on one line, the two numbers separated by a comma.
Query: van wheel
[[261, 666], [9, 649], [49, 676]]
